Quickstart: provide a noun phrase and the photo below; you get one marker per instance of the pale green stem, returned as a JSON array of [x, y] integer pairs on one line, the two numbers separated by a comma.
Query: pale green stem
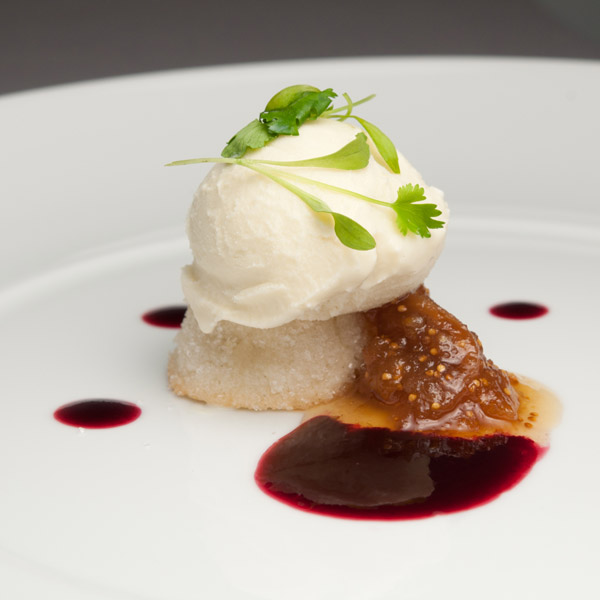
[[270, 173], [332, 112], [195, 161], [277, 175], [324, 185], [350, 106]]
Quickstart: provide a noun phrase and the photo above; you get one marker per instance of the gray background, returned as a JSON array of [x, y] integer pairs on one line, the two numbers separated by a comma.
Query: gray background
[[46, 42]]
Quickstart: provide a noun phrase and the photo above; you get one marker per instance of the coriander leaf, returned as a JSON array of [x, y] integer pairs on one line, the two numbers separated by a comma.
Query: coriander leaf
[[414, 217], [254, 135], [287, 95], [348, 231], [354, 155], [382, 142], [288, 119]]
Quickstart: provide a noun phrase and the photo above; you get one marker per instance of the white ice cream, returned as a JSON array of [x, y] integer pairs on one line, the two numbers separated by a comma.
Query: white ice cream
[[262, 258]]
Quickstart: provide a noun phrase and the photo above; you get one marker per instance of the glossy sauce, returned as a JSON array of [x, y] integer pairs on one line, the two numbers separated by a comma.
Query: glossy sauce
[[341, 470], [519, 310], [169, 317], [97, 413]]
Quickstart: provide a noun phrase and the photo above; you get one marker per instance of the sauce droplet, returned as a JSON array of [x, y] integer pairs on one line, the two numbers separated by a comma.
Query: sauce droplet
[[97, 413], [519, 310], [169, 316]]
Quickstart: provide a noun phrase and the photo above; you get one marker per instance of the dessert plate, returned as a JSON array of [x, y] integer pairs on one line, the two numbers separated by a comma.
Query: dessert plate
[[166, 508]]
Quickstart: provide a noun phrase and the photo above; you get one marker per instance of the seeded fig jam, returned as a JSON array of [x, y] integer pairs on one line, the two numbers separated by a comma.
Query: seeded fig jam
[[427, 366]]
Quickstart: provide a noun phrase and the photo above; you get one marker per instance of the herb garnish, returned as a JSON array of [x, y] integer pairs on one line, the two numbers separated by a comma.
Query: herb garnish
[[283, 115]]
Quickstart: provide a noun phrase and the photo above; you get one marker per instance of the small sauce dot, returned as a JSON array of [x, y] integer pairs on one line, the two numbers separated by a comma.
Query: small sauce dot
[[168, 316], [519, 310], [97, 413]]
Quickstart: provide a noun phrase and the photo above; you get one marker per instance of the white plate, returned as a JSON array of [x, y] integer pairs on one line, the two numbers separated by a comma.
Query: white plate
[[166, 508]]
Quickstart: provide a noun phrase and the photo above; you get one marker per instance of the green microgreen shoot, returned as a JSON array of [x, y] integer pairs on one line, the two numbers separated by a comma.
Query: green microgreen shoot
[[410, 215], [352, 156], [349, 106], [347, 230], [382, 142], [283, 115]]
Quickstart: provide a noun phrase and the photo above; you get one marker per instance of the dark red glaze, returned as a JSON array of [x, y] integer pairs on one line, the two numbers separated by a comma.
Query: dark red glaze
[[340, 470], [97, 413], [168, 316], [519, 310]]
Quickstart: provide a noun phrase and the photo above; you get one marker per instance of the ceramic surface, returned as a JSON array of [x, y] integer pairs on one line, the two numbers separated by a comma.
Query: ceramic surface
[[166, 508]]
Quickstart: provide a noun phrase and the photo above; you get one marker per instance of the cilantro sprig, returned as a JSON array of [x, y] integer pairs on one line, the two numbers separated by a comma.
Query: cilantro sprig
[[292, 107], [411, 216], [284, 114], [285, 119]]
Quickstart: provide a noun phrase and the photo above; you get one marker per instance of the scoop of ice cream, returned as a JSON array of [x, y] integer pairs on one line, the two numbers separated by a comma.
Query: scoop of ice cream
[[262, 258]]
